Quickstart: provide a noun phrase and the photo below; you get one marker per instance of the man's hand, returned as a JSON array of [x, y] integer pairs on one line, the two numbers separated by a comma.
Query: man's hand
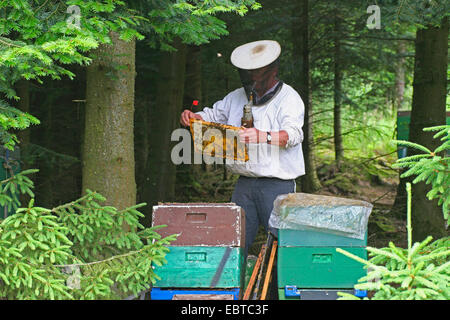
[[252, 135], [188, 114]]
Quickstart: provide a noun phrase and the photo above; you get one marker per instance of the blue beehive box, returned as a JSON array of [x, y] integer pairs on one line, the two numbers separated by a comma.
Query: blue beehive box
[[194, 294]]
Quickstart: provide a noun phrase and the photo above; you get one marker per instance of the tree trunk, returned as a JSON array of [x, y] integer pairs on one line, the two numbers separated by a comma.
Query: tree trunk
[[399, 206], [45, 192], [144, 103], [193, 91], [338, 148], [300, 33], [400, 75], [23, 91], [428, 109], [161, 172], [193, 78], [108, 148]]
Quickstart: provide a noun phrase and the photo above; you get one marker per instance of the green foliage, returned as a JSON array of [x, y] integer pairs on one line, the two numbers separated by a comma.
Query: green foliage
[[420, 272], [194, 22], [418, 13], [367, 144], [39, 38], [432, 167], [12, 186], [82, 249], [79, 250], [10, 119]]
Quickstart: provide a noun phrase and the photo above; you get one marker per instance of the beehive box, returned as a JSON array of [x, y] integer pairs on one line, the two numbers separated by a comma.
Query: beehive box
[[319, 267], [202, 267], [312, 238], [308, 259], [192, 294], [202, 224], [311, 294], [403, 120]]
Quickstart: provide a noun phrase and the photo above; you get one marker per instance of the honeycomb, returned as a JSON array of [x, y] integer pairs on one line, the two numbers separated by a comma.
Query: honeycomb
[[218, 140]]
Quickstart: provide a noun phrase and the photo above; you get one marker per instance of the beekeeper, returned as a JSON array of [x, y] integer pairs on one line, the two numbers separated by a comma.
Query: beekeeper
[[276, 138]]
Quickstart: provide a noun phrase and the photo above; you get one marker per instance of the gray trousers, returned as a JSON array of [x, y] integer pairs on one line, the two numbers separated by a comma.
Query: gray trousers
[[256, 196]]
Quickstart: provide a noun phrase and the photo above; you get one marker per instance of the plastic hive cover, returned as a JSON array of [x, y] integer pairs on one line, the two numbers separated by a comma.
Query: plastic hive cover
[[303, 211]]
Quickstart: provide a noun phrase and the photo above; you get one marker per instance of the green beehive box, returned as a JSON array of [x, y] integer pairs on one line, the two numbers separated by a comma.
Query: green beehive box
[[202, 267], [403, 120], [314, 294], [319, 267], [313, 238]]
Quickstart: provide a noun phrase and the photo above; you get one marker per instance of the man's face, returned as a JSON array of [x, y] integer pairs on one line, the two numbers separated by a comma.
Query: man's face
[[260, 79], [246, 81], [259, 75]]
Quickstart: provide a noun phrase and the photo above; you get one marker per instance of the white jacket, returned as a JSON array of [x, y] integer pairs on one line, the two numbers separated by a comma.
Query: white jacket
[[285, 111]]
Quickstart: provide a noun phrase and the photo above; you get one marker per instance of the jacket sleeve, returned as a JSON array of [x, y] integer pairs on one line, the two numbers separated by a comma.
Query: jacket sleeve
[[218, 113], [291, 117]]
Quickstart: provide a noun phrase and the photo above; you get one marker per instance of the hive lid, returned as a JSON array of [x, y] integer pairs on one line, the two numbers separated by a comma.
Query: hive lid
[[340, 216]]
